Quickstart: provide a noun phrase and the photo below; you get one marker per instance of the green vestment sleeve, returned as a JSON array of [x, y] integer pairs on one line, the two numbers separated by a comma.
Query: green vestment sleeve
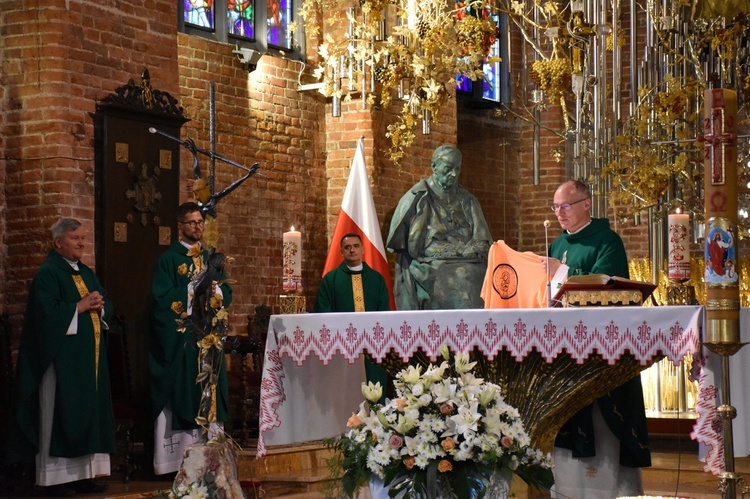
[[83, 420], [173, 355], [597, 249]]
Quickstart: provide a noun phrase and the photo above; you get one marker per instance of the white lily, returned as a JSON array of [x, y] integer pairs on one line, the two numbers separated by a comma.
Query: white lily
[[462, 363], [445, 352], [372, 392], [467, 419], [444, 391], [404, 425], [411, 374], [435, 373], [487, 395]]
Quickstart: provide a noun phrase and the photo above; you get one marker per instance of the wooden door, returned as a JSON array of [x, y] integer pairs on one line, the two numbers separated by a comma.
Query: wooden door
[[137, 194]]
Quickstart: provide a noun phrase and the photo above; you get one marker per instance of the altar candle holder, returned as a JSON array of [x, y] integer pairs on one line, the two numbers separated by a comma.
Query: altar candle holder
[[292, 302], [678, 259]]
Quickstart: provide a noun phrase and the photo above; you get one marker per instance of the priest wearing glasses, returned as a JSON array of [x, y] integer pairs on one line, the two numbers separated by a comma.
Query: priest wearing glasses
[[600, 450], [173, 353]]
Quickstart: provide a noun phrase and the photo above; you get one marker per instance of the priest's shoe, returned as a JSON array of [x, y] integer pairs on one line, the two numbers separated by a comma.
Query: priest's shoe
[[89, 486], [61, 490]]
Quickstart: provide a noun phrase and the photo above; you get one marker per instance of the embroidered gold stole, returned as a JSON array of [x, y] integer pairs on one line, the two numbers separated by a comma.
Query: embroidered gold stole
[[359, 293], [83, 291]]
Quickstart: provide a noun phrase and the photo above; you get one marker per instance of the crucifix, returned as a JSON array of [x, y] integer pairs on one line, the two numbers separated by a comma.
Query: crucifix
[[205, 188], [204, 315], [171, 444]]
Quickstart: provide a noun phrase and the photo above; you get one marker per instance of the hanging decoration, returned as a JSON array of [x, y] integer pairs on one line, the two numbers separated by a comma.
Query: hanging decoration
[[407, 50]]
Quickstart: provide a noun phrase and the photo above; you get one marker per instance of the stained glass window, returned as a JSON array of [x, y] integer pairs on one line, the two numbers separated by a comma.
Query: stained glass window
[[279, 14], [464, 84], [491, 87], [199, 12], [241, 18], [263, 25]]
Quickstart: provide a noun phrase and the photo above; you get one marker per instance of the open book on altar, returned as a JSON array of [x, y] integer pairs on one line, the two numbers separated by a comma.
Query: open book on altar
[[602, 282]]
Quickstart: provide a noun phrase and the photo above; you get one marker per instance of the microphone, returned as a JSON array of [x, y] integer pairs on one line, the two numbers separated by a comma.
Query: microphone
[[546, 252]]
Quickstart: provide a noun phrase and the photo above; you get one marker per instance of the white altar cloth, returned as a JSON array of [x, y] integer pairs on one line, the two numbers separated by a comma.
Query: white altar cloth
[[290, 397], [708, 429]]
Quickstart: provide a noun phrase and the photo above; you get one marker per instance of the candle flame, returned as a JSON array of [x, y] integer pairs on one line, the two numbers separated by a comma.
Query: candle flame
[[677, 210], [292, 228]]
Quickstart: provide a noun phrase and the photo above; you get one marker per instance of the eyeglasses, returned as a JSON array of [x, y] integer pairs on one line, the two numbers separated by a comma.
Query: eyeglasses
[[194, 223], [565, 206]]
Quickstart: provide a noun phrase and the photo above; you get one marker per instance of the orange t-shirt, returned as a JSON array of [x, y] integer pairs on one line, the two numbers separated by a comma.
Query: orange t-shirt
[[514, 279]]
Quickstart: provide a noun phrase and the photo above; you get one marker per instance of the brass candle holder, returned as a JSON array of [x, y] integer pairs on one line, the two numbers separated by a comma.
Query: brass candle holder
[[292, 303]]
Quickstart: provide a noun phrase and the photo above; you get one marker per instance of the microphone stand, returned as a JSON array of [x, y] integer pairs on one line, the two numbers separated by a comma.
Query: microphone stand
[[546, 251]]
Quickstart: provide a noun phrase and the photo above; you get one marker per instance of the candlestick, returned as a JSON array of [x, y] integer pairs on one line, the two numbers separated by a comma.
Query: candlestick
[[722, 323], [720, 179], [292, 260], [678, 231]]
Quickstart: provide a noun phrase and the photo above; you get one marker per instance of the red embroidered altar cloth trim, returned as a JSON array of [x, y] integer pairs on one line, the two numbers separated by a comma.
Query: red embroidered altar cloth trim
[[610, 331]]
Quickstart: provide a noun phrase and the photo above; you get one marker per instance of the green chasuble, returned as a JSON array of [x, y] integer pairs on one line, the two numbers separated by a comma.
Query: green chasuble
[[173, 355], [597, 249], [335, 291], [83, 422], [335, 294]]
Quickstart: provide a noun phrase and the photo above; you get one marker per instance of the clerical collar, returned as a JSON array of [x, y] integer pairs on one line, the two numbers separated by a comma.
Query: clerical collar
[[579, 230], [188, 246], [356, 268], [439, 189], [72, 263]]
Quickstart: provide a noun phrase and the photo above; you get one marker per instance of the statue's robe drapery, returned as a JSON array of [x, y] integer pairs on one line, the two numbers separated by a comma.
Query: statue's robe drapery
[[441, 241]]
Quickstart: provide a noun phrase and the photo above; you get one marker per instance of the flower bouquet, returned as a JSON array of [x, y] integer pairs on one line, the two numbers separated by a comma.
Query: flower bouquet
[[445, 434]]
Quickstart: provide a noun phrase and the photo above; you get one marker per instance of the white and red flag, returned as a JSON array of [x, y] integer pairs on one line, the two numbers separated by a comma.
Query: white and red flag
[[357, 215]]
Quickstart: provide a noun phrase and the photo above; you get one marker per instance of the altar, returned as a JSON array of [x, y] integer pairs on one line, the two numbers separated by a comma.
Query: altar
[[313, 363]]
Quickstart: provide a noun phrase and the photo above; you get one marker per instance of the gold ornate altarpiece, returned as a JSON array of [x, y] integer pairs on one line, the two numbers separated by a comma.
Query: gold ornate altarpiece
[[667, 389]]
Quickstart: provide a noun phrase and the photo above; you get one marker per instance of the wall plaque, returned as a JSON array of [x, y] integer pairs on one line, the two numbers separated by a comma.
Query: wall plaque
[[121, 232], [165, 159], [165, 236], [122, 152]]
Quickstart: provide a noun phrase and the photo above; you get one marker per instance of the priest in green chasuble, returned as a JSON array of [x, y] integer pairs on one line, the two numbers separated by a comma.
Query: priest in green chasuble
[[173, 355], [62, 405], [354, 286], [600, 450]]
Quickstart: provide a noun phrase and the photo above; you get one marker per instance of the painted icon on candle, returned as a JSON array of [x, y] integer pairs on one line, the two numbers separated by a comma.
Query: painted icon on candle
[[720, 254]]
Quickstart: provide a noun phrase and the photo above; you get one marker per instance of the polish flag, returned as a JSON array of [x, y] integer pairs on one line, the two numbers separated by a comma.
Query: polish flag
[[358, 216]]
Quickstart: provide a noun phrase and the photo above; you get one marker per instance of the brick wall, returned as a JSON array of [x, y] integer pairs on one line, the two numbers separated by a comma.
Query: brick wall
[[58, 60], [260, 117]]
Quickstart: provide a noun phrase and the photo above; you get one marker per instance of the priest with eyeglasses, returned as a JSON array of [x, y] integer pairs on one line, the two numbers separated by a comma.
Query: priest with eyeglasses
[[598, 452]]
